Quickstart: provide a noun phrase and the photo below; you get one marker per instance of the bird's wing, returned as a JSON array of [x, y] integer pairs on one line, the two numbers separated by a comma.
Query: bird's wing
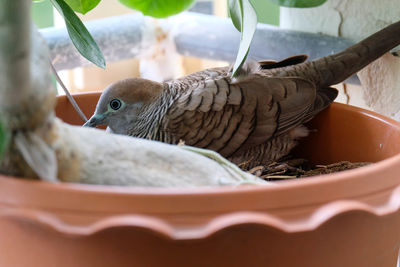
[[225, 116]]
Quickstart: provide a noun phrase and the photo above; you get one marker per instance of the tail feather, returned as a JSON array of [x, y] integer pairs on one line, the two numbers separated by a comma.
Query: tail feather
[[338, 67]]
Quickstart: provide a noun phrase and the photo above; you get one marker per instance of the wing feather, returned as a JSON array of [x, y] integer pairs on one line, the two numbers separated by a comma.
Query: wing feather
[[232, 117]]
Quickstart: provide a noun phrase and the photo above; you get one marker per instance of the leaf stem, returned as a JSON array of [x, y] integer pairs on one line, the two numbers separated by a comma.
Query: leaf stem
[[68, 94]]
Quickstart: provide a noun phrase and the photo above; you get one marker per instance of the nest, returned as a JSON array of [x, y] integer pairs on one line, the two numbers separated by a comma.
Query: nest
[[300, 168]]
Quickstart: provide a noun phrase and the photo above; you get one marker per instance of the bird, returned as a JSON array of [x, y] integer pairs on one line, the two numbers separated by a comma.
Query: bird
[[256, 117]]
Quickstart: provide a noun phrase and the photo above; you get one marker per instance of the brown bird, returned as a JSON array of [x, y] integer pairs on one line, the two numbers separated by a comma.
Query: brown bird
[[256, 117]]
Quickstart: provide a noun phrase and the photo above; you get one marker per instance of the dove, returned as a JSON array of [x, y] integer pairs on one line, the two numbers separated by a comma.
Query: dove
[[256, 117]]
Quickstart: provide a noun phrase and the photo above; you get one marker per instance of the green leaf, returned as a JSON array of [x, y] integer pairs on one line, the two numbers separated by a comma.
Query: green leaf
[[248, 27], [158, 8], [79, 35], [298, 3], [235, 13], [4, 138], [82, 6]]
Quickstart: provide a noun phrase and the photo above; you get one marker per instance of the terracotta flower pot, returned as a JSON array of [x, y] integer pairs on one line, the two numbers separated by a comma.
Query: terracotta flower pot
[[349, 219]]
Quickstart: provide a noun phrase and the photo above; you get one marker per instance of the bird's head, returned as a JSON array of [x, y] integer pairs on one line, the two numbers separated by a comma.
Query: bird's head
[[121, 103]]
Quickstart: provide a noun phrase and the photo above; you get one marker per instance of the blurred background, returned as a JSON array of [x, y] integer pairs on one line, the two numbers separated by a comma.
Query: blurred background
[[85, 79], [95, 79]]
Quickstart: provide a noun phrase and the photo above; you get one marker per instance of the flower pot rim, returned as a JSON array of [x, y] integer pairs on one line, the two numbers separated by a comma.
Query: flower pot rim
[[354, 190]]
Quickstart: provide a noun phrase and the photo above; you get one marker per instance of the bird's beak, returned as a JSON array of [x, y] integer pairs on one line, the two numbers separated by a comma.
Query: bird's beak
[[95, 120]]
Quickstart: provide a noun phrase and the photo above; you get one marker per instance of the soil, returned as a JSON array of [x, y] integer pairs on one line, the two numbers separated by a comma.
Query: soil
[[300, 168]]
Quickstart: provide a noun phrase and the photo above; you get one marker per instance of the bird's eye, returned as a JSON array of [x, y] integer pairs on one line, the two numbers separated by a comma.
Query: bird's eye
[[115, 104]]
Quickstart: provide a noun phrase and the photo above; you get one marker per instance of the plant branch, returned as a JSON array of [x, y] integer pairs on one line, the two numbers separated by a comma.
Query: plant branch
[[15, 54]]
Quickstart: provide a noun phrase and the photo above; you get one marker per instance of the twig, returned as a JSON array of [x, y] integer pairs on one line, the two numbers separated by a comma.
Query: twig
[[278, 177], [69, 96]]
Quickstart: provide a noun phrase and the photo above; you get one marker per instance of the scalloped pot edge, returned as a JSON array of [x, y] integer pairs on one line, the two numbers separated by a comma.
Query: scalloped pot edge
[[318, 218]]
